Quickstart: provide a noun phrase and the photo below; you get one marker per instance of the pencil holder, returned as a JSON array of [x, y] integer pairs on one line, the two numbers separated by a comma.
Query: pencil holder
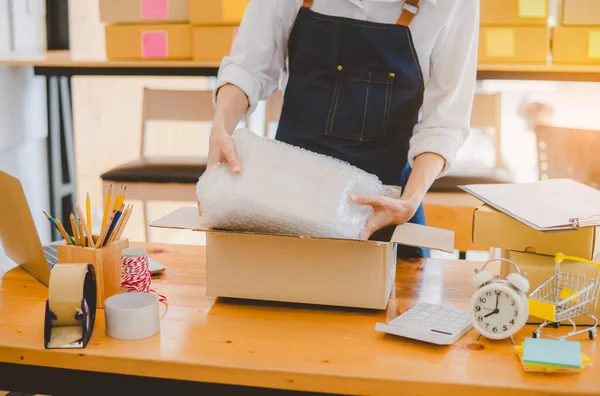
[[106, 261]]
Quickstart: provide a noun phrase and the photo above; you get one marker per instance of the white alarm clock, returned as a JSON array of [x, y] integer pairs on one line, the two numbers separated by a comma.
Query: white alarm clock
[[499, 307]]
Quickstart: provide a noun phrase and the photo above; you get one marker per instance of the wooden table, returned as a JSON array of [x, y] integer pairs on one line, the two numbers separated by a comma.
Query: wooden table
[[269, 345]]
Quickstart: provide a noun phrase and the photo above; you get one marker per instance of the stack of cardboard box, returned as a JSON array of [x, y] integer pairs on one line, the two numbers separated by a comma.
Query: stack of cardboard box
[[214, 27], [577, 36], [147, 29], [534, 251], [514, 31]]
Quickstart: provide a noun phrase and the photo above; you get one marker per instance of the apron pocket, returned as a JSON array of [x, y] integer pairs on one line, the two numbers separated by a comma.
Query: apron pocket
[[360, 105]]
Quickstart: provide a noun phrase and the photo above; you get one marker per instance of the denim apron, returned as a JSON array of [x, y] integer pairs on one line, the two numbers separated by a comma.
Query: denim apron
[[354, 93]]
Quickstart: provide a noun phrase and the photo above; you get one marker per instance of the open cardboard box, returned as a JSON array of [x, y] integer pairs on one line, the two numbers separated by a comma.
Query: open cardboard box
[[493, 228], [335, 272]]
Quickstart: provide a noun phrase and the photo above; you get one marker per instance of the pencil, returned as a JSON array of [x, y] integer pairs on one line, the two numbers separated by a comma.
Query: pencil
[[86, 229], [107, 206], [114, 223], [82, 238], [88, 212], [74, 228], [120, 198], [56, 223], [100, 241], [118, 227], [125, 219]]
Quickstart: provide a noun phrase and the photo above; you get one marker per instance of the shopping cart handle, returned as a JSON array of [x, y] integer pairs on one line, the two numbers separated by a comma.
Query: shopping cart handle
[[560, 257]]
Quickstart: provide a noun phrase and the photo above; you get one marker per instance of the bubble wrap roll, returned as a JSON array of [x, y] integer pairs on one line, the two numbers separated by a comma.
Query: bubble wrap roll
[[287, 190]]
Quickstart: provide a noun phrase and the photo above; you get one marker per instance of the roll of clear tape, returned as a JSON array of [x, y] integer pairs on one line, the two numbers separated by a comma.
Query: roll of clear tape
[[132, 316]]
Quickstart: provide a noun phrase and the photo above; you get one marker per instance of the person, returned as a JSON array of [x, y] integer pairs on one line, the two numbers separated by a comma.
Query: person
[[386, 85]]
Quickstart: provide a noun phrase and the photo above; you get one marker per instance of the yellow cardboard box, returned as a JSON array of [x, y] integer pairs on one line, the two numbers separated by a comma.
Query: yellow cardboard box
[[510, 44], [576, 45], [514, 12], [306, 270], [217, 12], [137, 42], [143, 11], [540, 268], [212, 43], [579, 12], [496, 229]]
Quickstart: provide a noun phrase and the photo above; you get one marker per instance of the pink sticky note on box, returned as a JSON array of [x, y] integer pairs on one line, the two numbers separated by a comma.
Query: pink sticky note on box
[[154, 44], [154, 9]]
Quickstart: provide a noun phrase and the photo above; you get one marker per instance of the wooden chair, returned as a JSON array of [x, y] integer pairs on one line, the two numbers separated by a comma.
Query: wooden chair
[[568, 153], [164, 178]]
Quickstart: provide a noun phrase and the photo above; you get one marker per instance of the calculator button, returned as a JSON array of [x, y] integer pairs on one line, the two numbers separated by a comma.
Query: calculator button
[[423, 305], [444, 323], [432, 309], [437, 316]]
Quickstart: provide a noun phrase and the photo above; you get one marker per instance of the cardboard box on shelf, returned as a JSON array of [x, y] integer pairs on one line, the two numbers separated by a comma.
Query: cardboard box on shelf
[[510, 44], [540, 268], [212, 43], [580, 45], [217, 12], [334, 272], [148, 42], [143, 11], [496, 229], [514, 12], [579, 12]]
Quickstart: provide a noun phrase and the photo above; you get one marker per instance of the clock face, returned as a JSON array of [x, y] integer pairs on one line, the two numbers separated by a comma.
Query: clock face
[[497, 311]]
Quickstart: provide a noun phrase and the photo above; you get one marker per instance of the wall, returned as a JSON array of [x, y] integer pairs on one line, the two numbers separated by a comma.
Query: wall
[[23, 119]]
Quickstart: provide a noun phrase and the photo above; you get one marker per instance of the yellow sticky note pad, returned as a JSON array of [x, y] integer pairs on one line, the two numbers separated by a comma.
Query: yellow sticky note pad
[[542, 310], [594, 44], [533, 8], [233, 10], [500, 43]]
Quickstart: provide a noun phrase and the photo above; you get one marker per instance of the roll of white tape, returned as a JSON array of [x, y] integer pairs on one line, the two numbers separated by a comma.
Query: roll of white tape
[[132, 316]]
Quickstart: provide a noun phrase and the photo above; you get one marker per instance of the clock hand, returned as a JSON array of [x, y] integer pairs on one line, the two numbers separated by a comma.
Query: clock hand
[[495, 311], [497, 300]]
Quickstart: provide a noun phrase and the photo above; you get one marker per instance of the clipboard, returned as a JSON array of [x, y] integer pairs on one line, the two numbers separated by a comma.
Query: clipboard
[[546, 205]]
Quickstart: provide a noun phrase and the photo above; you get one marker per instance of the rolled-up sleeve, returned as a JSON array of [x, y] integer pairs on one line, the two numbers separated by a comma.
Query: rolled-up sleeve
[[258, 54], [449, 92]]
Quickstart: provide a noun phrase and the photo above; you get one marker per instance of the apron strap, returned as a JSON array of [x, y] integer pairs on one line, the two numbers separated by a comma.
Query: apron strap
[[410, 9]]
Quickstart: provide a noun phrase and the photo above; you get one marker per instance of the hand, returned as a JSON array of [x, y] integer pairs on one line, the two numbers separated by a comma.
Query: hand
[[386, 211], [495, 311], [497, 300], [221, 150]]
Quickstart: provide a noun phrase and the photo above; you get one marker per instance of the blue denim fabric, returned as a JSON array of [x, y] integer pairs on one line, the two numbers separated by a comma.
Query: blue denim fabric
[[354, 93]]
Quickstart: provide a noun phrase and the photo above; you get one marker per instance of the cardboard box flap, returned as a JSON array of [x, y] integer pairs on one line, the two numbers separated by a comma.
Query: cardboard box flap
[[417, 235], [186, 218]]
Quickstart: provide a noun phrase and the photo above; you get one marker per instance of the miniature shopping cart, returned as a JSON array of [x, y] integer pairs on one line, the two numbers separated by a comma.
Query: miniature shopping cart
[[565, 296]]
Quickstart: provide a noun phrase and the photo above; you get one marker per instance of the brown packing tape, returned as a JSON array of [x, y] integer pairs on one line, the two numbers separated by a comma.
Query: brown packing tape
[[65, 293], [61, 336]]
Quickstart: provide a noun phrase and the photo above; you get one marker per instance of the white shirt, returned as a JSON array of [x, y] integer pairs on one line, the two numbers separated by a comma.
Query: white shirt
[[445, 34]]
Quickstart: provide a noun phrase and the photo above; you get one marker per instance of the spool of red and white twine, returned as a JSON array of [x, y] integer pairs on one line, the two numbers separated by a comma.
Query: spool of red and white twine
[[135, 273]]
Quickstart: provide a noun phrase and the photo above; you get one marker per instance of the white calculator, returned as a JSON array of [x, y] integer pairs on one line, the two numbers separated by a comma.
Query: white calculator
[[431, 323]]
